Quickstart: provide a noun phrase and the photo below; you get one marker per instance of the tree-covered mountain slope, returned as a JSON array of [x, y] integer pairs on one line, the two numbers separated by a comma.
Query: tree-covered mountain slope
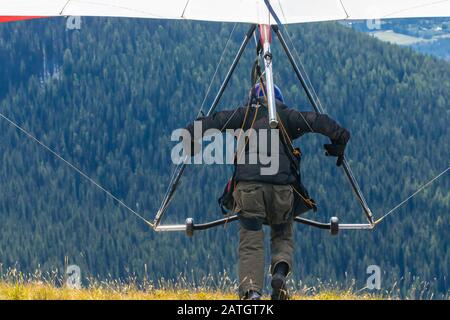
[[107, 98]]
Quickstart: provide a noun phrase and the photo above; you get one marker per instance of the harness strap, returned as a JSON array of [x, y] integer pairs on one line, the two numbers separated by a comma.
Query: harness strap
[[293, 152], [286, 140], [256, 75]]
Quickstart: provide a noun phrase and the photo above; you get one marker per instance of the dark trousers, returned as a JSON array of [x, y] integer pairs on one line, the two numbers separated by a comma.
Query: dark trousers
[[259, 203]]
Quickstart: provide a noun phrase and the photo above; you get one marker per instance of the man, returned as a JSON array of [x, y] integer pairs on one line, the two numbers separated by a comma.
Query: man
[[269, 199]]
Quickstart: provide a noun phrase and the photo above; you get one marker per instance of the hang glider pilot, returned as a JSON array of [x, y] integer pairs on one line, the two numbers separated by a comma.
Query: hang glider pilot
[[270, 199]]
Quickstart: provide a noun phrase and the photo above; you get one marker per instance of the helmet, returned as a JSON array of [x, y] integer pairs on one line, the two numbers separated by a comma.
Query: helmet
[[259, 93]]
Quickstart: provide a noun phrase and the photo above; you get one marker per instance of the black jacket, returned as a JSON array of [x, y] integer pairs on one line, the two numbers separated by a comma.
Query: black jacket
[[296, 124]]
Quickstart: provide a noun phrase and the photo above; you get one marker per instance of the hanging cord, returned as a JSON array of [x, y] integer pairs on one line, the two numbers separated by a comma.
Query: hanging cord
[[167, 199], [179, 169], [255, 71], [305, 73], [216, 71], [258, 76], [321, 107], [247, 139], [421, 188], [285, 134], [72, 166], [236, 157], [255, 77]]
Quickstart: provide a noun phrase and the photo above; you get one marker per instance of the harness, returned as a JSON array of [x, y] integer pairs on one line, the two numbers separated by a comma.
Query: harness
[[302, 201], [226, 201]]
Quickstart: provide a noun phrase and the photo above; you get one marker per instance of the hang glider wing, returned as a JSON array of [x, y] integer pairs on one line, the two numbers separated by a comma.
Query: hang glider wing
[[250, 11], [15, 18]]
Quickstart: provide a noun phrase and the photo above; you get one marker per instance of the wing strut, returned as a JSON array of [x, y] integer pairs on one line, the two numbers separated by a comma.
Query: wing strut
[[189, 227], [347, 170], [345, 165], [175, 182]]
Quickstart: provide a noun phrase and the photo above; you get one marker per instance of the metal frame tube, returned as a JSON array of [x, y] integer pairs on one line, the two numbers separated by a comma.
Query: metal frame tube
[[347, 170], [204, 226], [170, 228], [266, 38], [230, 72], [247, 38], [312, 223], [271, 96], [216, 223], [356, 226]]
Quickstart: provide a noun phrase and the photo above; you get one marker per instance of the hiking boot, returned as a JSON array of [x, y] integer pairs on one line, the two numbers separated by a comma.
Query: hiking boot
[[252, 295], [279, 290]]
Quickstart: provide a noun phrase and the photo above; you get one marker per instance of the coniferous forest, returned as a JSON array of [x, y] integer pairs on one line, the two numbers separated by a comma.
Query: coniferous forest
[[107, 97]]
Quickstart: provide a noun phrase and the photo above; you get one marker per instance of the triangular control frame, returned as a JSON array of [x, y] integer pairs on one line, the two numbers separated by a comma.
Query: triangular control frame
[[333, 226]]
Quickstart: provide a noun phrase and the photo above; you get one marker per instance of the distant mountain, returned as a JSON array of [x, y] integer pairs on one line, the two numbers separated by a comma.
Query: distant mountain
[[107, 98], [429, 36]]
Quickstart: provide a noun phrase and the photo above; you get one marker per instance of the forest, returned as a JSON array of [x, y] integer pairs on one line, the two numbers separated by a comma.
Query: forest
[[107, 97]]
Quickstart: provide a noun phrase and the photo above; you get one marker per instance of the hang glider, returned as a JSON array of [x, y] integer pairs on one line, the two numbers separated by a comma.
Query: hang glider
[[247, 11], [269, 15]]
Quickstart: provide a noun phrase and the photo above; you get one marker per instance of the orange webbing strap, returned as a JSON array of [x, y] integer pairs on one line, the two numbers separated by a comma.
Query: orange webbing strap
[[246, 141], [296, 152]]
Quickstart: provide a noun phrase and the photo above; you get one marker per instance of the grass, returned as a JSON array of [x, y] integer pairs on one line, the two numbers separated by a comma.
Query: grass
[[46, 291], [52, 285]]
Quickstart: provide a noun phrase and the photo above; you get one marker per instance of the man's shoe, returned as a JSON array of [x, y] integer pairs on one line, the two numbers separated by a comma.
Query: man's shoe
[[252, 295], [279, 291]]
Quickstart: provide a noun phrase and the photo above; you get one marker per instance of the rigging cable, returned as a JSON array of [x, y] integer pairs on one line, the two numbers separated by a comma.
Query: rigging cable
[[179, 169], [72, 166], [216, 70], [322, 109], [421, 188], [304, 72], [124, 205]]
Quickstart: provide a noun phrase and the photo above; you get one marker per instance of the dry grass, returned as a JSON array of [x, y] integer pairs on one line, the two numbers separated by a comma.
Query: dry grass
[[51, 285], [43, 291], [15, 285]]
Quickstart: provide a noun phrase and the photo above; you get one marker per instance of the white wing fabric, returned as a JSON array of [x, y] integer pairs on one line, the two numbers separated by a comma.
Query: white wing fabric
[[249, 11]]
